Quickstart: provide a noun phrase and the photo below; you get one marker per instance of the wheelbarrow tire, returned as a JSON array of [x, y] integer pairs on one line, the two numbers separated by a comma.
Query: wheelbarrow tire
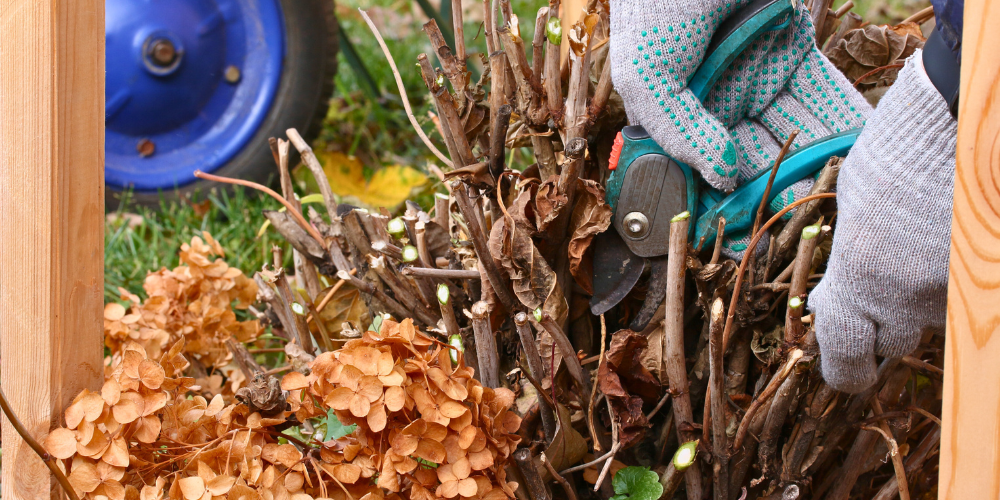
[[301, 101]]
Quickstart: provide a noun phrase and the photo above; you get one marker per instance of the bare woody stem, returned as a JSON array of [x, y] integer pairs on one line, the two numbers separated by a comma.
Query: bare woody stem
[[800, 280], [526, 466], [486, 346], [765, 395], [717, 382], [426, 272], [50, 461], [317, 171], [565, 347], [479, 242], [673, 348], [730, 316], [534, 359], [270, 192]]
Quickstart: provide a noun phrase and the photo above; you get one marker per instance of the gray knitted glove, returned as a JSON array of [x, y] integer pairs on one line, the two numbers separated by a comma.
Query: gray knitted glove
[[887, 279]]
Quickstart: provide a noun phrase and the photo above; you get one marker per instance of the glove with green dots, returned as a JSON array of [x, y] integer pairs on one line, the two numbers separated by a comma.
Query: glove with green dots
[[780, 83]]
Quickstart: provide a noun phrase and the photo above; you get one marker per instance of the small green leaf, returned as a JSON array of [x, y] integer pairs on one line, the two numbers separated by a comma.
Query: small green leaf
[[538, 314], [333, 428], [553, 30], [637, 483]]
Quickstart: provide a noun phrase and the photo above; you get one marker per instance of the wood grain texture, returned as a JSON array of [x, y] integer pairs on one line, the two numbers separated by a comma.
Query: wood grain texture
[[51, 219], [970, 438]]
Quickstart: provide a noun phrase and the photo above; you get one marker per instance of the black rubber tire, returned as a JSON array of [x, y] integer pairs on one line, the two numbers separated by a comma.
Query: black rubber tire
[[302, 100]]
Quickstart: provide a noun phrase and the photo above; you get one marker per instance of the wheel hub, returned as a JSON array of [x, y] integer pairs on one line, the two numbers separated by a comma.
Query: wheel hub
[[169, 66]]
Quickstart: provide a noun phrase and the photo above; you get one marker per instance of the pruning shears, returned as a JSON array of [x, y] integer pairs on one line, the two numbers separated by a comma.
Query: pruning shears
[[647, 187]]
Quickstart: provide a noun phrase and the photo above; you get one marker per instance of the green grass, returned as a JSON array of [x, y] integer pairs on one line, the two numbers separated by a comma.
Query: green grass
[[232, 218]]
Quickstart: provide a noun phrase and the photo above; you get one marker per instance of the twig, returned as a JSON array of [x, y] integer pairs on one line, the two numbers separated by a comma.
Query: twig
[[530, 348], [756, 238], [288, 206], [615, 446], [570, 493], [876, 70], [797, 287], [562, 342], [317, 171], [394, 307], [592, 463], [770, 183], [670, 479], [717, 384], [844, 9], [593, 390], [800, 219], [914, 461], [480, 243], [923, 367], [526, 465], [673, 355], [402, 93], [921, 16], [486, 345], [50, 461], [426, 272], [897, 459], [659, 405], [764, 396]]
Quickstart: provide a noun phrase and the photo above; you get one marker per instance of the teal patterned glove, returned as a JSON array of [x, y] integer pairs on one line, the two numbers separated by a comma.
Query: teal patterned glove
[[779, 84]]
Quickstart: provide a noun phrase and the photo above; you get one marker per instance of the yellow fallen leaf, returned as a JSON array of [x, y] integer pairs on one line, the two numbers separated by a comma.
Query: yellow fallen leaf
[[389, 187]]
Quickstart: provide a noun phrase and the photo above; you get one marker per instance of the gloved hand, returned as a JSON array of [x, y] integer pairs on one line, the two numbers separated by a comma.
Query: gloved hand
[[887, 279], [782, 82]]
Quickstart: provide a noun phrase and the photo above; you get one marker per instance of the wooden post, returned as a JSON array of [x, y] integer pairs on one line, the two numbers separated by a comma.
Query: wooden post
[[51, 219], [970, 437]]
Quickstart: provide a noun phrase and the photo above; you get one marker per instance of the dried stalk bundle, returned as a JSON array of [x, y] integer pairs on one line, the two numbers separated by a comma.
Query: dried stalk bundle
[[454, 334]]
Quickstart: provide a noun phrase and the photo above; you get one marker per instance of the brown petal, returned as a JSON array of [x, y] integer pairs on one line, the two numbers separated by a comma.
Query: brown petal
[[128, 409], [370, 387], [481, 460], [359, 406], [192, 487], [111, 391], [452, 409], [153, 402], [446, 474], [437, 432], [339, 398], [467, 487], [95, 447], [448, 489], [220, 485], [84, 476], [117, 453], [148, 430], [347, 473], [151, 374], [61, 443], [294, 380], [93, 406], [405, 444], [395, 398], [432, 451], [113, 312], [462, 468], [377, 418]]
